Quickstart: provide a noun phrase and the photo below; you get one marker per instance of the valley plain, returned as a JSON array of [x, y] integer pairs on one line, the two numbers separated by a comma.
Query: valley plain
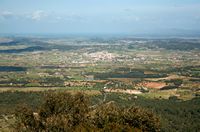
[[160, 74]]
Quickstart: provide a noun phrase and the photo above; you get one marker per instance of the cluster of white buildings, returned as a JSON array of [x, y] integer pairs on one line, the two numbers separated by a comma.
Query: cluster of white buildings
[[103, 55]]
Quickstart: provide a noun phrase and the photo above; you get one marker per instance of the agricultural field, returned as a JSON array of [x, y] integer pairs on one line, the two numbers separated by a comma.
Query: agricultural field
[[160, 74]]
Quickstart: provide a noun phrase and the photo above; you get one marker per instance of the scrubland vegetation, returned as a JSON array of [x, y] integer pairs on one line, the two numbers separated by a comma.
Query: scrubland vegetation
[[169, 115], [65, 112]]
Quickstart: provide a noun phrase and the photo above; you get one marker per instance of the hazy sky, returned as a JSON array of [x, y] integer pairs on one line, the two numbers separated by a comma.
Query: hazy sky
[[99, 16]]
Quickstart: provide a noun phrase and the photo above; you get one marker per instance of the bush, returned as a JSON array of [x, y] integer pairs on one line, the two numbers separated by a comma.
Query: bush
[[109, 116], [66, 112]]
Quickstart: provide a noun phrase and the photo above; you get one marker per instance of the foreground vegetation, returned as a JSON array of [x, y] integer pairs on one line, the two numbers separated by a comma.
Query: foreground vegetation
[[174, 114], [66, 112]]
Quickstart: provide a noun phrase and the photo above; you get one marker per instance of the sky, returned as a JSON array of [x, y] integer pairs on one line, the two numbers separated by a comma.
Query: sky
[[100, 16]]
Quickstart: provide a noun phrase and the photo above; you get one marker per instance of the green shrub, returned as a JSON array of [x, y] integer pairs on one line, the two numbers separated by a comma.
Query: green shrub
[[66, 112], [109, 116]]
